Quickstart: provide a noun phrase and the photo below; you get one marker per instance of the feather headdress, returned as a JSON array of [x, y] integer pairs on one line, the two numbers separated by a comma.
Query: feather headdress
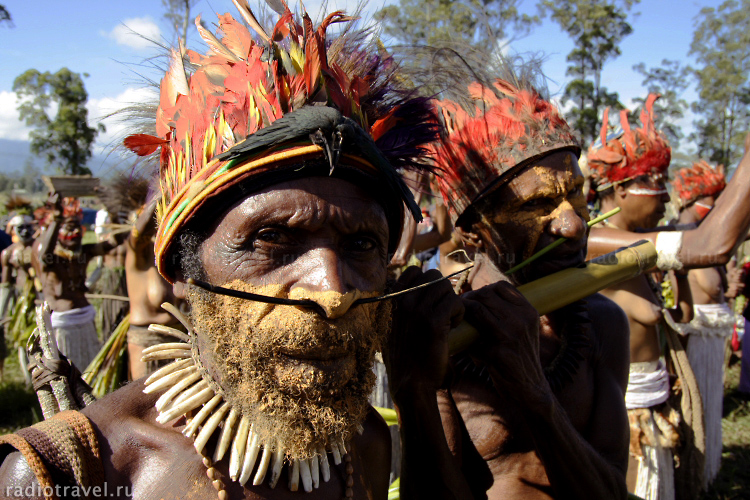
[[482, 148], [627, 154], [697, 181], [264, 106]]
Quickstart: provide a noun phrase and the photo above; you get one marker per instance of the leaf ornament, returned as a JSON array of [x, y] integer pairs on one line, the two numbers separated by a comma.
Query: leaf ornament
[[482, 146], [630, 153]]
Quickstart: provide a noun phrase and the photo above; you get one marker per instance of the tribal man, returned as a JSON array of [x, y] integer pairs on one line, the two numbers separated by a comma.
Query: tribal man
[[278, 183], [16, 273], [536, 409], [628, 170], [696, 190], [60, 260]]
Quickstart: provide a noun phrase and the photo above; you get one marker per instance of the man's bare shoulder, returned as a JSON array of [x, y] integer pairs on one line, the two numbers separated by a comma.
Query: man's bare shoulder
[[126, 419]]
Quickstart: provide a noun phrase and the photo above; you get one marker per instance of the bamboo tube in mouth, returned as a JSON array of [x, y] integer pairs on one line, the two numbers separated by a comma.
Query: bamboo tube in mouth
[[564, 287]]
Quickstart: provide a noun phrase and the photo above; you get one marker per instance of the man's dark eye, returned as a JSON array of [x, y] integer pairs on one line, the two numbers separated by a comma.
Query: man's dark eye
[[271, 236], [537, 202], [361, 245]]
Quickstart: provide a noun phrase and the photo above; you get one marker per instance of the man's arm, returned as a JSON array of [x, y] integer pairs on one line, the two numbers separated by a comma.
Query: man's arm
[[17, 479], [683, 297], [713, 242], [417, 359], [576, 468]]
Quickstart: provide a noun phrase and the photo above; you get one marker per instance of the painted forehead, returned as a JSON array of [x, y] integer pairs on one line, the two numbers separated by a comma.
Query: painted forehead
[[551, 176]]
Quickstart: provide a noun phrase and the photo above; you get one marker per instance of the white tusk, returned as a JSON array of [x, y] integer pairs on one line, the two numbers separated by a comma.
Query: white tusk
[[315, 471], [336, 454], [304, 474], [166, 354], [211, 425], [201, 416], [251, 455], [294, 476], [170, 380], [238, 448], [260, 474], [342, 446], [278, 463], [187, 405], [226, 435], [166, 370], [176, 389], [187, 393], [166, 346], [168, 330], [171, 309], [325, 469]]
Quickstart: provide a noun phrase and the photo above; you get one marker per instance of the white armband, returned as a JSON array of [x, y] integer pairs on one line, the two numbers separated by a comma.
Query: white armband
[[668, 245]]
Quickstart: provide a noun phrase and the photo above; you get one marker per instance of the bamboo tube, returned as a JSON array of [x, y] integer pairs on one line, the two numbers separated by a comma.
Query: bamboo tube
[[565, 287]]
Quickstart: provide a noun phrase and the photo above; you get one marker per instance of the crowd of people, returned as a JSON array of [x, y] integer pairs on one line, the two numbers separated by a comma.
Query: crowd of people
[[272, 273]]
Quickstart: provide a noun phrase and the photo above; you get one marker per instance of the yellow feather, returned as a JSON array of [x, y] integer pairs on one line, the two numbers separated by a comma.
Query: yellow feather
[[298, 56]]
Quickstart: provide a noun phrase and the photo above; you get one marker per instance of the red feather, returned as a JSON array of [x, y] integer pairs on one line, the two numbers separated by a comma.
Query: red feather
[[143, 144]]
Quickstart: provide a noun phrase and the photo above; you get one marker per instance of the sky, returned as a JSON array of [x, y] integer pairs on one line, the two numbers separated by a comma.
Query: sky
[[96, 38]]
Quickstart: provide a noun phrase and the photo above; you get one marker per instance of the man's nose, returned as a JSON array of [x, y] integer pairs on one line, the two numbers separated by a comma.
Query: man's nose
[[568, 223], [324, 271]]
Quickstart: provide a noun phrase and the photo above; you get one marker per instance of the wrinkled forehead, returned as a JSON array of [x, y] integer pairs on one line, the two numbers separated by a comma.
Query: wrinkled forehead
[[552, 174], [308, 203]]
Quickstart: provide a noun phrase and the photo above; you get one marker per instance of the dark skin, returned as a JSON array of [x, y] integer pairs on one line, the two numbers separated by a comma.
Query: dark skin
[[713, 243], [706, 285], [16, 262], [147, 289], [319, 233], [63, 279], [514, 437], [635, 296]]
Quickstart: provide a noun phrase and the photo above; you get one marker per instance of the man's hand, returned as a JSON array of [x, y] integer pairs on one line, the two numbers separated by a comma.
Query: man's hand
[[417, 352], [509, 342]]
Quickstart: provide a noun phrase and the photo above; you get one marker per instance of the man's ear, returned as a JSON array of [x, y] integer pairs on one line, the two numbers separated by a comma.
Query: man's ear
[[620, 190], [469, 238]]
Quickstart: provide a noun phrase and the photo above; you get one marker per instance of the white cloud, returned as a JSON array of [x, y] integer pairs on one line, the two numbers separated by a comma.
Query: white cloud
[[10, 126], [101, 109], [136, 33]]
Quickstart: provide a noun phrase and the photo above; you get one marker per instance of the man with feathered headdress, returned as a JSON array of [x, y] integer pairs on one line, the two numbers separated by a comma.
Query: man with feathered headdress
[[278, 158], [534, 410], [695, 190], [629, 171], [17, 290], [60, 260]]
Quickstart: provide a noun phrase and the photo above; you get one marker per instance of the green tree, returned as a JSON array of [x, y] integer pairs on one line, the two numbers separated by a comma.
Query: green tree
[[669, 80], [720, 42], [597, 27], [483, 24], [65, 138]]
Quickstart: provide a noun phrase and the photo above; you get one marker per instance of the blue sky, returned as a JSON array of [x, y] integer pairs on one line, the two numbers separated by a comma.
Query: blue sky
[[92, 37]]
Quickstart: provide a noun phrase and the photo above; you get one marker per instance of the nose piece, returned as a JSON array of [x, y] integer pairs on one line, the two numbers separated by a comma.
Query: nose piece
[[333, 304]]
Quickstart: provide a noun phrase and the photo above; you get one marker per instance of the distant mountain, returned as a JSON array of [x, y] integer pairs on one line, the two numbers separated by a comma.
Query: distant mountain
[[14, 155]]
